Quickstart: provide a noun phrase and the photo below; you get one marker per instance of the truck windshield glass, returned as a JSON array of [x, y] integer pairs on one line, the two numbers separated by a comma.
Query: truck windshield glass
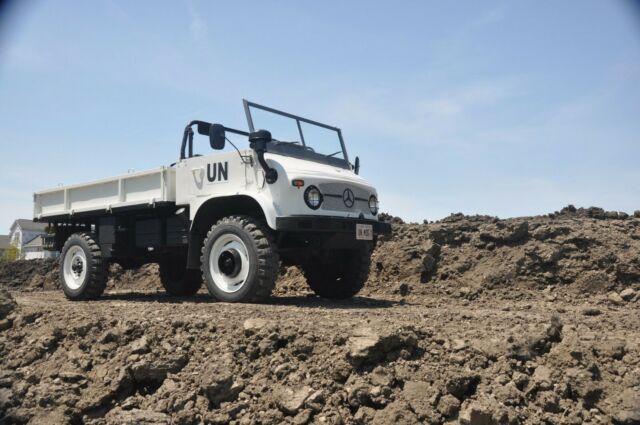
[[298, 137]]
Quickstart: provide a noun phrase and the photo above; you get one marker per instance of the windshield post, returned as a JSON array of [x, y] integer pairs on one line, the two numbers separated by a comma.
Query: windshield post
[[247, 112], [344, 149], [302, 135]]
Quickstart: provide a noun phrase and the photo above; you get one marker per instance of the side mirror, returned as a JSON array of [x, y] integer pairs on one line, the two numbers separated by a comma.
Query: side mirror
[[217, 137], [356, 166]]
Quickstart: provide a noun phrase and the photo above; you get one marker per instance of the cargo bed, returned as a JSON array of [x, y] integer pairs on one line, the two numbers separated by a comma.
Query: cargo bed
[[144, 188]]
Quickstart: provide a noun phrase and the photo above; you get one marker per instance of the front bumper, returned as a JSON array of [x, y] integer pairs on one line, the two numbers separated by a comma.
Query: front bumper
[[313, 223]]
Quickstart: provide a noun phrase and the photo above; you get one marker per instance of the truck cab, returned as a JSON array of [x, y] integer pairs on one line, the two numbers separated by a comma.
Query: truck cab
[[226, 219]]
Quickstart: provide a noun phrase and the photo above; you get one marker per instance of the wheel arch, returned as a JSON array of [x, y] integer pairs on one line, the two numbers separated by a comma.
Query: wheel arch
[[212, 210]]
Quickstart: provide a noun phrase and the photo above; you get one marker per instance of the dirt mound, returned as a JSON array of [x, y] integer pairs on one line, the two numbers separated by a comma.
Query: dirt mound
[[587, 249], [471, 319], [583, 249], [29, 274], [145, 278], [137, 360]]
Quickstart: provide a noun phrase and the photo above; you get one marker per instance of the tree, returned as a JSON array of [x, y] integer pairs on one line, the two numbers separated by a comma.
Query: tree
[[12, 253]]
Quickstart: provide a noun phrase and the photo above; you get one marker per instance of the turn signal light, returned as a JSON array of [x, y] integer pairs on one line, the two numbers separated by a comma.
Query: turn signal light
[[298, 183]]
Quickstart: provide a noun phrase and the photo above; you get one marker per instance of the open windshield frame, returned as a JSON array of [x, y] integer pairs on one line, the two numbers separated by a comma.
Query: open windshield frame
[[298, 119]]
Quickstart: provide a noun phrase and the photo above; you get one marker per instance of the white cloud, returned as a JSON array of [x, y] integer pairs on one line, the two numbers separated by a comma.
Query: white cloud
[[437, 119], [197, 26]]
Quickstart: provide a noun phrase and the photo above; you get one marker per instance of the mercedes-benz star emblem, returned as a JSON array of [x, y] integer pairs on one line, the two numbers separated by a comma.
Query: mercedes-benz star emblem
[[348, 198]]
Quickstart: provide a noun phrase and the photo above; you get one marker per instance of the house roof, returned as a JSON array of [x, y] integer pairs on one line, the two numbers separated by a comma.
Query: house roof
[[4, 241], [34, 243], [29, 225]]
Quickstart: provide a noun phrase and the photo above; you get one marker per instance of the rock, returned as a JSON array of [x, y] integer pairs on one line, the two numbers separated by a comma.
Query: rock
[[583, 386], [519, 233], [429, 264], [421, 396], [615, 298], [636, 213], [591, 311], [542, 377], [612, 215], [431, 254], [508, 394], [70, 376], [155, 370], [596, 212], [315, 401], [458, 344], [254, 325], [7, 303], [539, 343], [627, 407], [548, 401], [627, 294], [403, 289], [448, 406], [364, 415], [140, 346], [6, 399], [5, 324], [381, 376], [218, 386], [512, 233], [367, 345], [627, 417], [137, 416], [463, 385], [291, 400], [492, 348], [477, 414], [397, 413], [56, 416], [615, 348], [185, 417], [218, 418]]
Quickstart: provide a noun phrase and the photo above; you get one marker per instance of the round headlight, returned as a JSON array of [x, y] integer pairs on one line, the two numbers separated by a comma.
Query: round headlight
[[313, 197], [373, 204]]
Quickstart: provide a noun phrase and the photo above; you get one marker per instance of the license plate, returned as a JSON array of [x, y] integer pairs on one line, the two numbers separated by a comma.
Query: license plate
[[364, 232]]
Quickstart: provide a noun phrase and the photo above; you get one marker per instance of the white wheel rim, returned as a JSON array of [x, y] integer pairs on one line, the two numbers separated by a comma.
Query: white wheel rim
[[75, 267], [225, 247]]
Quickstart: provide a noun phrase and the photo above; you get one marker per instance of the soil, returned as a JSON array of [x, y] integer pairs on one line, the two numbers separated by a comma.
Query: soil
[[471, 320]]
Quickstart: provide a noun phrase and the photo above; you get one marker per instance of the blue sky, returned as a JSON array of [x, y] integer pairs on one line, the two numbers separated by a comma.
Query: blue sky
[[493, 107]]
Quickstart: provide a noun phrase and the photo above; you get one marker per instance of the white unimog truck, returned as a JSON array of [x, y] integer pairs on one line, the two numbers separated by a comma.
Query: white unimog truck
[[228, 219]]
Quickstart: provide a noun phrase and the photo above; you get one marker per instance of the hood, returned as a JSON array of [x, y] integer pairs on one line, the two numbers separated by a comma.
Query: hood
[[300, 168]]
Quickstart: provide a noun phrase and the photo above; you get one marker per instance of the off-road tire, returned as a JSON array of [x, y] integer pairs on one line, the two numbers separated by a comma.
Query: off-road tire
[[177, 280], [263, 259], [341, 274], [95, 280]]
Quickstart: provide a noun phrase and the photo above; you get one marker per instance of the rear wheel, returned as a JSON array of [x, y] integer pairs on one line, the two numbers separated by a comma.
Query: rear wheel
[[340, 274], [83, 272], [177, 280], [239, 260]]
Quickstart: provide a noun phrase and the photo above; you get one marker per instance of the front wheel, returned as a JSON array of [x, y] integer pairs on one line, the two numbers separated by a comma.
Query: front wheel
[[339, 274], [239, 260], [83, 271]]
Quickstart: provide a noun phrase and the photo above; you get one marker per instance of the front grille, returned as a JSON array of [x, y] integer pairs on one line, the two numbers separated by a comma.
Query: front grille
[[332, 193]]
